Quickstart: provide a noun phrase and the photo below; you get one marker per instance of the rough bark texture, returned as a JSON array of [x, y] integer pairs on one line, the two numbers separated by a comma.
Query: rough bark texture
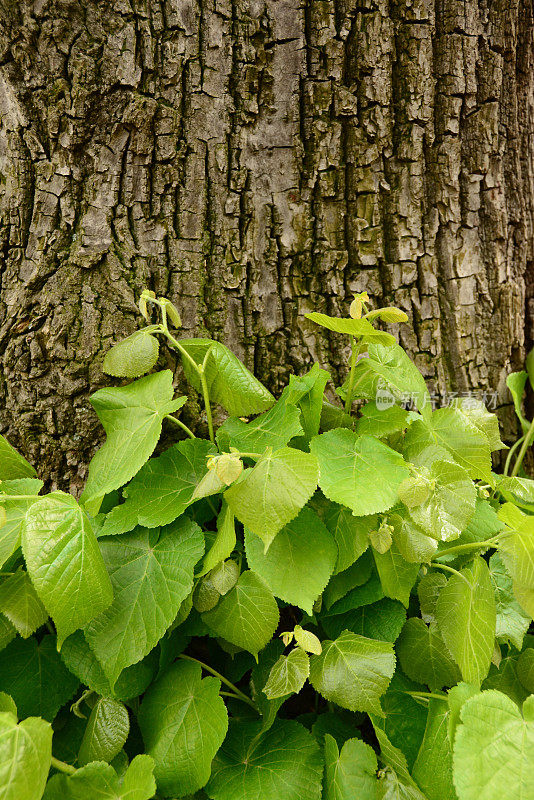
[[254, 160]]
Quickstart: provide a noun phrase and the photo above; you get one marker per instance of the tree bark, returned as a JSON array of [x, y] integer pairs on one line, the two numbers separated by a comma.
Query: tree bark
[[254, 160]]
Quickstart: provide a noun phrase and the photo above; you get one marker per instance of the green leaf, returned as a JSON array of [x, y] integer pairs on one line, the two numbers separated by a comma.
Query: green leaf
[[382, 620], [370, 592], [288, 675], [433, 767], [456, 697], [405, 717], [466, 617], [273, 429], [151, 573], [106, 732], [517, 549], [423, 656], [394, 367], [21, 605], [162, 489], [132, 417], [414, 490], [451, 504], [484, 525], [428, 590], [247, 616], [397, 575], [7, 704], [516, 383], [303, 548], [65, 563], [512, 622], [388, 314], [35, 677], [12, 464], [307, 392], [225, 576], [7, 632], [183, 721], [230, 384], [132, 357], [285, 762], [25, 754], [334, 416], [351, 534], [350, 774], [381, 539], [360, 328], [271, 494], [28, 489], [525, 669], [451, 429], [307, 640], [259, 677], [353, 672], [358, 471], [224, 542], [381, 422], [517, 490], [486, 422], [410, 540], [82, 662], [99, 781], [395, 783], [356, 575], [504, 678], [494, 749]]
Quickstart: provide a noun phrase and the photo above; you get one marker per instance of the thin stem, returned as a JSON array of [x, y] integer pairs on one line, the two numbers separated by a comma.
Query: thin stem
[[511, 452], [234, 696], [206, 396], [182, 349], [449, 569], [249, 455], [181, 425], [198, 368], [355, 349], [427, 695], [6, 574], [62, 767], [242, 696], [524, 447], [462, 548], [18, 497]]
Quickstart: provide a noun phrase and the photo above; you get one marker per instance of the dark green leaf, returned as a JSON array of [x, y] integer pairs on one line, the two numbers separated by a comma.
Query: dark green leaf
[[247, 616], [353, 672], [184, 722], [162, 489], [35, 677], [151, 573], [285, 762], [303, 548]]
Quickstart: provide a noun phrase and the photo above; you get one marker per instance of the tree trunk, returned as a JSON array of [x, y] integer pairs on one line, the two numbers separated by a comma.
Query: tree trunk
[[254, 160]]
